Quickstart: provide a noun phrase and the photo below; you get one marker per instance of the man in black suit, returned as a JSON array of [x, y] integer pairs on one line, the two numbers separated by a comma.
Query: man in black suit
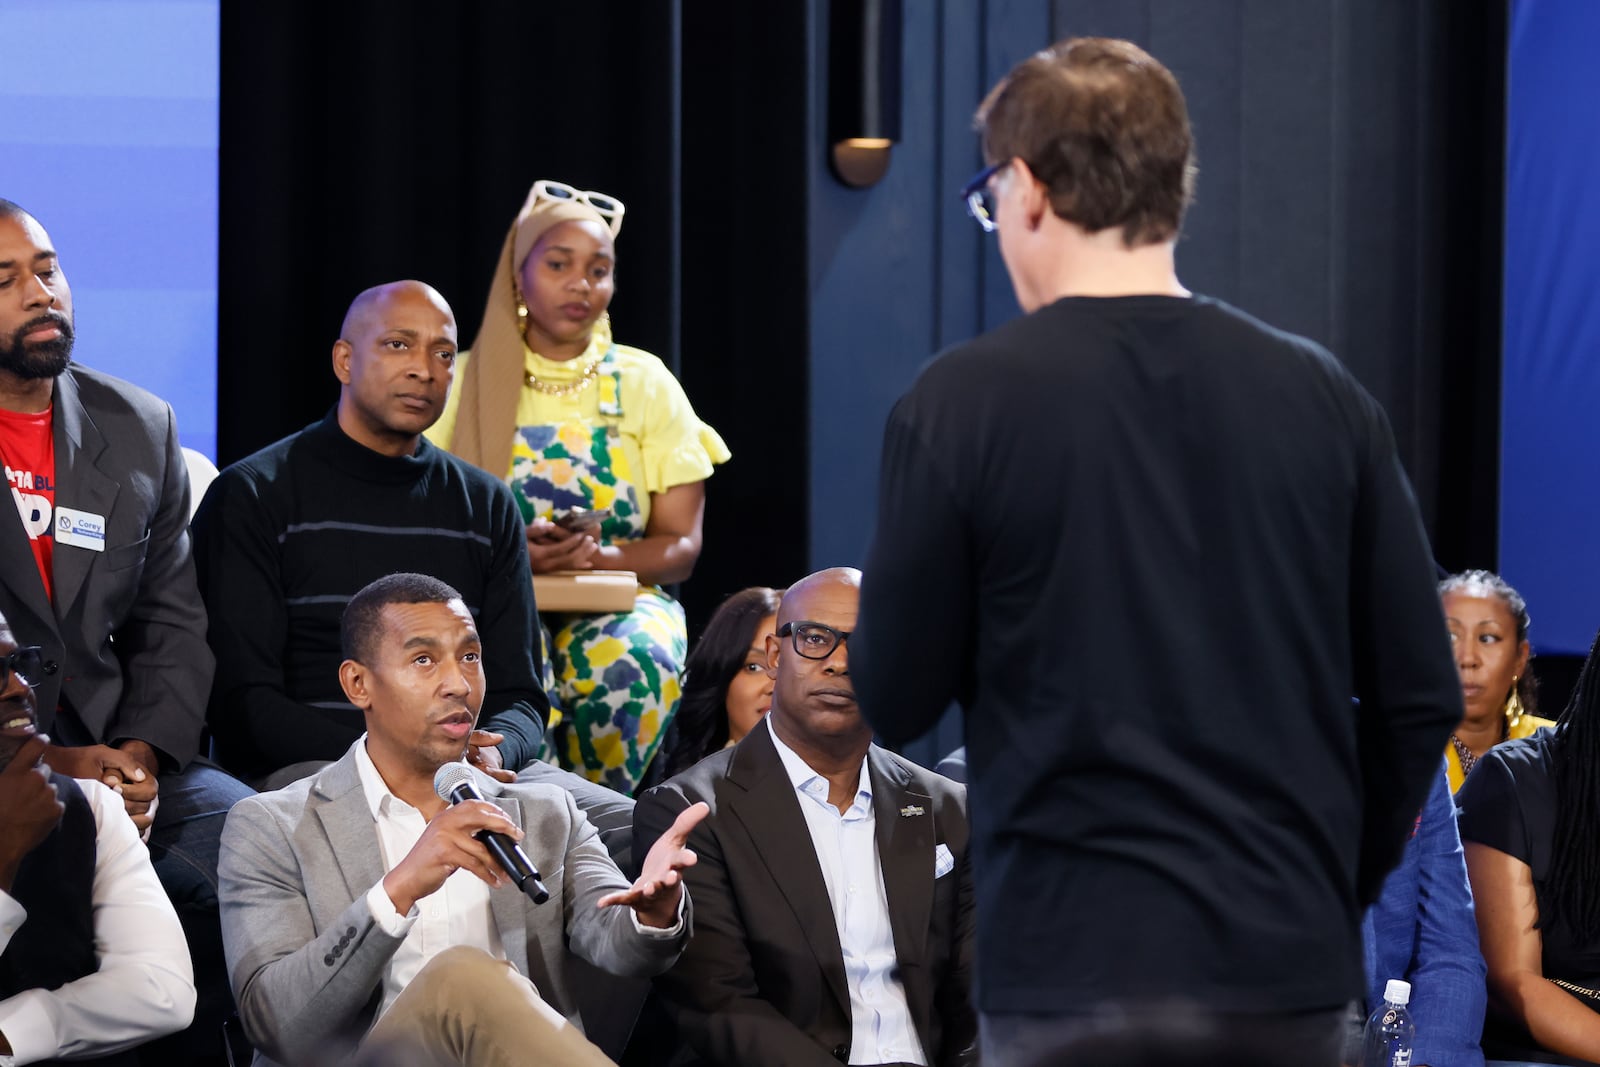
[[833, 904]]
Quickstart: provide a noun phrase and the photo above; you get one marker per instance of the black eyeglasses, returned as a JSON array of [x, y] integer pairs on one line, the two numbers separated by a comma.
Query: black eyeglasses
[[813, 640], [24, 663], [979, 198]]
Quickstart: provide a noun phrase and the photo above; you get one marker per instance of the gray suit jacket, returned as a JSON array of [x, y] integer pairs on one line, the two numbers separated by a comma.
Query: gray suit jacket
[[305, 956], [125, 641]]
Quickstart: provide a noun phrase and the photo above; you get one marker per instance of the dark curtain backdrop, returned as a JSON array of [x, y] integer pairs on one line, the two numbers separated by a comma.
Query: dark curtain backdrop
[[1351, 188], [1351, 156], [370, 140]]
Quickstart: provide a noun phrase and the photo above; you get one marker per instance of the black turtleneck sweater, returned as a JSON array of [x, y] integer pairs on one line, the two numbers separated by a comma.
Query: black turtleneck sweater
[[286, 537]]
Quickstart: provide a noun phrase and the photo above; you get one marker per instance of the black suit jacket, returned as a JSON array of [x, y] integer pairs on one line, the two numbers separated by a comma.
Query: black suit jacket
[[125, 640], [763, 980]]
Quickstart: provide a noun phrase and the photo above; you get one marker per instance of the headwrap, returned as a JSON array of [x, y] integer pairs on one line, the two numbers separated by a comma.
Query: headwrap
[[491, 385]]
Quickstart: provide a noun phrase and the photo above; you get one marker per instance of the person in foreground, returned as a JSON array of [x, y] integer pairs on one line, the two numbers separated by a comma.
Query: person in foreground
[[1172, 544], [1421, 929], [1488, 622], [1530, 821], [92, 959], [856, 949], [361, 913]]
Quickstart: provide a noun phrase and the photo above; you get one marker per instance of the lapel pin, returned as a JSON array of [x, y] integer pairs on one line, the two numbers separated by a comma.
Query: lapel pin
[[910, 810]]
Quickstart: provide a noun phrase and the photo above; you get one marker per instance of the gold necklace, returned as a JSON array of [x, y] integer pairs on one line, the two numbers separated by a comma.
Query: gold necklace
[[565, 388]]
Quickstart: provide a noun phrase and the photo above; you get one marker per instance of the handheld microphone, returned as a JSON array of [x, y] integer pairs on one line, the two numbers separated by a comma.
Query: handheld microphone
[[453, 782]]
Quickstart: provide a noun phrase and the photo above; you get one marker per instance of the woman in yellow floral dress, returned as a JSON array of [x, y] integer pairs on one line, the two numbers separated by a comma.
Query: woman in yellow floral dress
[[572, 419]]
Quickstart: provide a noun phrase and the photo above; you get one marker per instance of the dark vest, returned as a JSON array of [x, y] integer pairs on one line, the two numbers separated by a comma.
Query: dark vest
[[55, 883]]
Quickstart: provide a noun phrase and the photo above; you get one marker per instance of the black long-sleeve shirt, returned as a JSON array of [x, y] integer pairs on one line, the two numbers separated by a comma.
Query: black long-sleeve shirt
[[1155, 547], [287, 536]]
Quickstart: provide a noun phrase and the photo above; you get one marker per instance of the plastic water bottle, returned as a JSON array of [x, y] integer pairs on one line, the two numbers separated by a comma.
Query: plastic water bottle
[[1390, 1032]]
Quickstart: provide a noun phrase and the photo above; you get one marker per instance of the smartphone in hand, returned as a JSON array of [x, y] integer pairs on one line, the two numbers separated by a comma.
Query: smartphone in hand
[[581, 520]]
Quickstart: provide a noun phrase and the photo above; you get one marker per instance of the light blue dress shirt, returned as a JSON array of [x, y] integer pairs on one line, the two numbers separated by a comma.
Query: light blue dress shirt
[[881, 1030]]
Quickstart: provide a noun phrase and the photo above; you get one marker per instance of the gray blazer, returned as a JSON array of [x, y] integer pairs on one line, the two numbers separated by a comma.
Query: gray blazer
[[305, 956], [125, 641]]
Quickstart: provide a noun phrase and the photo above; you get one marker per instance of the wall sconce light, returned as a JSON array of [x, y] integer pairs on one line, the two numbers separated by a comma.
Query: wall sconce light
[[863, 88]]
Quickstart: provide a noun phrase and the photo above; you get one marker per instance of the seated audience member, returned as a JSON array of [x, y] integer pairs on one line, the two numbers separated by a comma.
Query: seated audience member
[[726, 689], [857, 949], [283, 539], [1421, 929], [1530, 821], [361, 912], [98, 570], [1488, 623], [571, 419], [92, 959]]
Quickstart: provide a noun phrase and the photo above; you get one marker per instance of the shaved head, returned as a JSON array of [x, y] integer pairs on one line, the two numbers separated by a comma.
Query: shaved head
[[369, 304], [10, 209], [798, 598], [395, 358], [813, 701]]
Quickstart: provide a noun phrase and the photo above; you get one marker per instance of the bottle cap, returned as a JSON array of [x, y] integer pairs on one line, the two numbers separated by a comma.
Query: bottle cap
[[1397, 992]]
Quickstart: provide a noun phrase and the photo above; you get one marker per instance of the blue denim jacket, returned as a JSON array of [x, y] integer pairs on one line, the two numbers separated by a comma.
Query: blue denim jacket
[[1422, 929]]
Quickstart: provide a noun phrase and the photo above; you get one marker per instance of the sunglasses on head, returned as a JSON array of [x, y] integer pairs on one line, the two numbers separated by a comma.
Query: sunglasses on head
[[608, 207]]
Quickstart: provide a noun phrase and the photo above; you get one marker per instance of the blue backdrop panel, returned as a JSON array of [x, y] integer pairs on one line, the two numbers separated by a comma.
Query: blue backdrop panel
[[1550, 459], [108, 133]]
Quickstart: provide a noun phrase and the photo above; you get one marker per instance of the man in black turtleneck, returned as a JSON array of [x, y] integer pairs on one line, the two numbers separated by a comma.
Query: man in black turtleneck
[[285, 537], [92, 959]]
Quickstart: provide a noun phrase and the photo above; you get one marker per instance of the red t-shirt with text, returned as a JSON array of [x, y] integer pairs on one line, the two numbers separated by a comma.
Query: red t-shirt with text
[[28, 447]]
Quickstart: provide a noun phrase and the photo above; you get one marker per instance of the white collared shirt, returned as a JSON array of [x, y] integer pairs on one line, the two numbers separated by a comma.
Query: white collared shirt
[[144, 985], [881, 1030], [458, 913]]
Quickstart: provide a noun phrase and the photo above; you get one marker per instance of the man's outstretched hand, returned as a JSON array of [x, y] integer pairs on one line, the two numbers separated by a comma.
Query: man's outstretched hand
[[654, 897]]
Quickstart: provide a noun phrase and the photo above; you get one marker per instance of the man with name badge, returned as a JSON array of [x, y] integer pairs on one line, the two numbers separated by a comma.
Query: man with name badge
[[96, 568]]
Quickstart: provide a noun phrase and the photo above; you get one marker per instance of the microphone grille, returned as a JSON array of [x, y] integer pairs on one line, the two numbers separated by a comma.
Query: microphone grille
[[447, 777]]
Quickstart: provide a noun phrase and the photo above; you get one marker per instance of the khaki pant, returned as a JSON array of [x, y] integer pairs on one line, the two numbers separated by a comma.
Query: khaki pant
[[466, 1008]]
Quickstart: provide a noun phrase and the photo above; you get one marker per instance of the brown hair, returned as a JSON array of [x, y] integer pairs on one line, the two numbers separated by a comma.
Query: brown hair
[[1103, 125]]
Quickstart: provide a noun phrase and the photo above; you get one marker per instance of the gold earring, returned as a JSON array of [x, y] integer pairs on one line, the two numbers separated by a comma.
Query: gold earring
[[522, 309], [1514, 709]]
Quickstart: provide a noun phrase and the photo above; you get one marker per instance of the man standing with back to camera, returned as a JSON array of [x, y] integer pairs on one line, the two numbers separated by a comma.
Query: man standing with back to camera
[[1172, 544]]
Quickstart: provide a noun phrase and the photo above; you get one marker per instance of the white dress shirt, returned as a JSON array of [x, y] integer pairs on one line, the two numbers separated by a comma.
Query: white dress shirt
[[881, 1030], [144, 986], [458, 913]]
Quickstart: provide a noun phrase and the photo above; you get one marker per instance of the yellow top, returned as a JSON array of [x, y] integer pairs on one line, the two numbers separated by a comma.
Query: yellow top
[[1521, 726], [658, 431]]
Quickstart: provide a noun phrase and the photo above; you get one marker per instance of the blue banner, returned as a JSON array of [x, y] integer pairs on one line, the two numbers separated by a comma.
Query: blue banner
[[108, 135], [1550, 413]]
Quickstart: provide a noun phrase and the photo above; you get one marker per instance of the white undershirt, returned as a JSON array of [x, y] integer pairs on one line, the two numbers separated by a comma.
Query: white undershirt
[[458, 913], [144, 985], [881, 1030]]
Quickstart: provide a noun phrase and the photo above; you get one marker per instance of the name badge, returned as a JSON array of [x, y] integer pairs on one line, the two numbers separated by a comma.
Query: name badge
[[80, 529]]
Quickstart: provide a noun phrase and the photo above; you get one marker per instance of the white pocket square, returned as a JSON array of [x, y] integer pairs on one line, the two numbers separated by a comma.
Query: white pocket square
[[943, 862]]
